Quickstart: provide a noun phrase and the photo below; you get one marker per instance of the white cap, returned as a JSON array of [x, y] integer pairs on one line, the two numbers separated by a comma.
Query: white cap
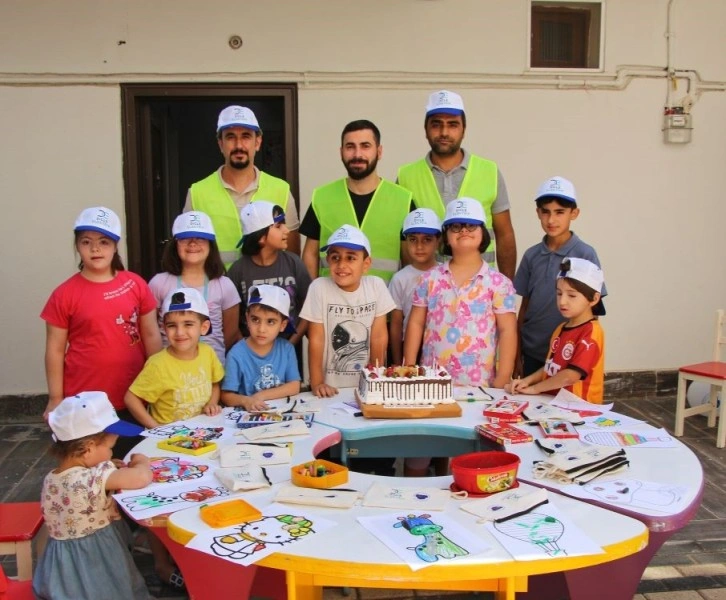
[[446, 102], [258, 215], [88, 413], [193, 224], [348, 237], [422, 220], [183, 299], [100, 219], [557, 187], [586, 272], [272, 296], [465, 210], [237, 116]]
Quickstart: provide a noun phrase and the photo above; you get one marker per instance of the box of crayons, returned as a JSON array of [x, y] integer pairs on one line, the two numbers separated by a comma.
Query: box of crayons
[[319, 474]]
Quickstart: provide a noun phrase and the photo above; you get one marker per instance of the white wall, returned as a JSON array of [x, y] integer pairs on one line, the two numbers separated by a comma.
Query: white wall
[[655, 212]]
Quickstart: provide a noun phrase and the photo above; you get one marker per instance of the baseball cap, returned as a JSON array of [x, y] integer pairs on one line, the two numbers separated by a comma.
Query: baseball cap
[[557, 187], [88, 413], [444, 101], [350, 237], [183, 299], [584, 271], [193, 224], [100, 219], [465, 210], [237, 116], [258, 215], [272, 296], [422, 220]]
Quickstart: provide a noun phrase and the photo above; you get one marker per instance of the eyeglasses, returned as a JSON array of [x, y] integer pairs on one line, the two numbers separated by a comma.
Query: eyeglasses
[[458, 227]]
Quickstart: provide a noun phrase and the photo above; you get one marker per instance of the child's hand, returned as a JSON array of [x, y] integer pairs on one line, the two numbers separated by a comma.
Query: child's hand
[[323, 390], [52, 404], [139, 460], [118, 463], [254, 403], [211, 409], [514, 386]]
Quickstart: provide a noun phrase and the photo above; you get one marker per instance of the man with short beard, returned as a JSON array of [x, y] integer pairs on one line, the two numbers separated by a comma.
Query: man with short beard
[[449, 172], [238, 182], [363, 199]]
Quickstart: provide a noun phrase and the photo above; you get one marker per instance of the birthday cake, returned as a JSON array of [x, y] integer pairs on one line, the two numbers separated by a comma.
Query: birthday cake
[[405, 386]]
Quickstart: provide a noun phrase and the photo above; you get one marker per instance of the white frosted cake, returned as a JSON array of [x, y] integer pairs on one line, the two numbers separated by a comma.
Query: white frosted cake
[[405, 386]]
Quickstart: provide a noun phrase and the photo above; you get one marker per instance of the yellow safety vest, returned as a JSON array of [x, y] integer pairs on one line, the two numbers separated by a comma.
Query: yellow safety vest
[[382, 223], [211, 197], [480, 183]]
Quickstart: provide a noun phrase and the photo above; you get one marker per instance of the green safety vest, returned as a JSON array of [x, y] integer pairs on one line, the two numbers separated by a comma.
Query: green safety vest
[[480, 183], [382, 223], [211, 197]]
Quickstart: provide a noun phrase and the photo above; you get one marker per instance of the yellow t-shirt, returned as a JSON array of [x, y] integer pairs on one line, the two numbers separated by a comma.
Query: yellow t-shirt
[[178, 389]]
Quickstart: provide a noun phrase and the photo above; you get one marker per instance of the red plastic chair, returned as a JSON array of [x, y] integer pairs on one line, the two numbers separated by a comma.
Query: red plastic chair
[[14, 590], [20, 522], [713, 373]]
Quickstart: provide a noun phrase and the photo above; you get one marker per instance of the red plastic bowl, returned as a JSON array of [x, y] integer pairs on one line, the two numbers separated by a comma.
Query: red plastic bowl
[[485, 472]]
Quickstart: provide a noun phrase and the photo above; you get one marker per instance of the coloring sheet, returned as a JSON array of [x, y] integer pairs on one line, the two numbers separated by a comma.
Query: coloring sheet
[[159, 500], [168, 469], [543, 533], [566, 399], [651, 437], [610, 421], [279, 529], [421, 540], [633, 493], [210, 429]]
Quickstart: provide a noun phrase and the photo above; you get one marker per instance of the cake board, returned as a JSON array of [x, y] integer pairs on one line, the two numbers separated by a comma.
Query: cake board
[[436, 411]]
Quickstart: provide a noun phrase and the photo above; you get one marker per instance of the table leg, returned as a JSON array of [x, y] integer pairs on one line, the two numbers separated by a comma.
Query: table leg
[[300, 586], [508, 593], [209, 578]]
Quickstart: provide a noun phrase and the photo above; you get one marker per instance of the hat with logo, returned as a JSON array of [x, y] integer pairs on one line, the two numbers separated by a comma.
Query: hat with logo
[[184, 299], [465, 210], [557, 187], [446, 102], [256, 216], [586, 272], [272, 296], [237, 116], [422, 220], [193, 224], [100, 219], [88, 413], [348, 237]]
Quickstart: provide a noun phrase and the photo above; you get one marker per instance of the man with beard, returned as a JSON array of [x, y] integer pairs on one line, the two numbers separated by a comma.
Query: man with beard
[[363, 199], [238, 182], [449, 172]]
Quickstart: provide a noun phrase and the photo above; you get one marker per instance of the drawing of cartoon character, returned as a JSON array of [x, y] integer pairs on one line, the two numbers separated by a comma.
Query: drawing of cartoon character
[[172, 470], [634, 492], [258, 535], [541, 530], [153, 499], [130, 326], [267, 379], [350, 345], [435, 544]]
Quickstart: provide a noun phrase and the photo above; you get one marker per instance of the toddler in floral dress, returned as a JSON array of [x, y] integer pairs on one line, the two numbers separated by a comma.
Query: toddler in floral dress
[[87, 555]]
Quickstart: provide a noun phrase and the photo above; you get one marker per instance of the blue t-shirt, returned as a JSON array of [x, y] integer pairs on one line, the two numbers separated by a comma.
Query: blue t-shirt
[[247, 373]]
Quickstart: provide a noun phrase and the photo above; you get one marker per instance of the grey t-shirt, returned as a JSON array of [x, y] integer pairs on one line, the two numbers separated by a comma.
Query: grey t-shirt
[[536, 280]]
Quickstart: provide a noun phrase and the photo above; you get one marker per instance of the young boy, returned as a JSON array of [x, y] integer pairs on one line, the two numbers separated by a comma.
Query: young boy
[[421, 234], [577, 349], [262, 366], [538, 315], [346, 314], [182, 380], [264, 260]]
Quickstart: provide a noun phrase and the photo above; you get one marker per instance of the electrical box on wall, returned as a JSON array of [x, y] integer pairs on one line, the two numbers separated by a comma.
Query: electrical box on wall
[[677, 127]]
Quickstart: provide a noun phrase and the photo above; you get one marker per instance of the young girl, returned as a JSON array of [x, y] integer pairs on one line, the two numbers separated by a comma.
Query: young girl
[[577, 348], [100, 323], [264, 260], [192, 260], [88, 555], [463, 309]]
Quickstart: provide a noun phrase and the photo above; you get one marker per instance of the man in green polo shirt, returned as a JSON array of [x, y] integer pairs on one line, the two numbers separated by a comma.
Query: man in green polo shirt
[[238, 182], [363, 199], [449, 172]]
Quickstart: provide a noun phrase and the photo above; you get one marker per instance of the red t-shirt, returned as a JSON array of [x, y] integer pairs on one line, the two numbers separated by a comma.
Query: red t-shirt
[[581, 348], [105, 351]]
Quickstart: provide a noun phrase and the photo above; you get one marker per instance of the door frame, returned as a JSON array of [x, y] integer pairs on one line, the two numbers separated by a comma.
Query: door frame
[[136, 144]]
